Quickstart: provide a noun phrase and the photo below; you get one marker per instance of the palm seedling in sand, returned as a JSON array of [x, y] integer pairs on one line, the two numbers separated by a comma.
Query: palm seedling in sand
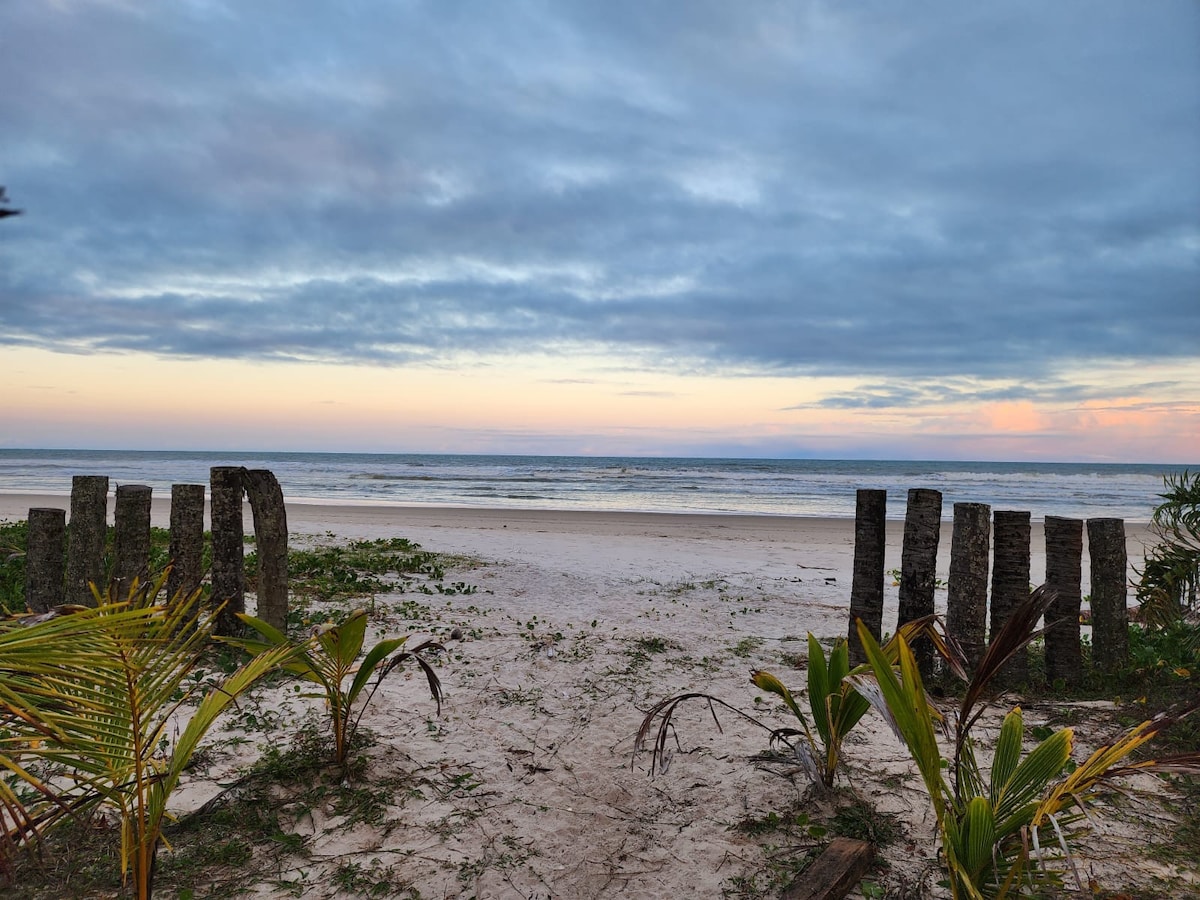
[[88, 705], [998, 829], [834, 707], [330, 657]]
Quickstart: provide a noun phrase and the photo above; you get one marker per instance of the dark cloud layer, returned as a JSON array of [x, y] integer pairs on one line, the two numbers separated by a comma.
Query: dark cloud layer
[[929, 190]]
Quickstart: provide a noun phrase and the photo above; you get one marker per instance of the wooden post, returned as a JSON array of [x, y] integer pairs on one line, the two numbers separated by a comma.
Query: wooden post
[[270, 539], [228, 554], [866, 589], [918, 566], [1064, 572], [966, 599], [833, 874], [1010, 583], [44, 567], [1110, 609], [131, 536], [86, 538], [187, 539]]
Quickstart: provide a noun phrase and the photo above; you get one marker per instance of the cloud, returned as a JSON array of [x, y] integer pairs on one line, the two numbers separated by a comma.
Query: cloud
[[927, 194]]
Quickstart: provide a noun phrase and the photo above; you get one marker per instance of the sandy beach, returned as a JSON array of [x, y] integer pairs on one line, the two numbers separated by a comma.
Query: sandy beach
[[528, 786]]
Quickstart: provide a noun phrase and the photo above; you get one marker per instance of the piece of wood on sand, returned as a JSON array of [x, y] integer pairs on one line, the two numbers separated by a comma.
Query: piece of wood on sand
[[834, 873]]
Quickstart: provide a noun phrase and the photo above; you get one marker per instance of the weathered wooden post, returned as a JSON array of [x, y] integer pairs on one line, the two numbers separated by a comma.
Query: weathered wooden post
[[1110, 609], [918, 565], [228, 554], [866, 589], [131, 536], [270, 539], [44, 558], [966, 591], [187, 539], [86, 537], [1064, 572], [1010, 582]]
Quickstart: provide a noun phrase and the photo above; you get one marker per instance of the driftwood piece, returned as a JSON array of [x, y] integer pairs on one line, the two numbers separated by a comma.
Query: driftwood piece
[[270, 539], [918, 566], [1110, 594], [866, 589], [131, 536], [187, 539], [44, 568], [85, 538], [1064, 574], [226, 486], [1010, 583], [834, 873], [966, 592]]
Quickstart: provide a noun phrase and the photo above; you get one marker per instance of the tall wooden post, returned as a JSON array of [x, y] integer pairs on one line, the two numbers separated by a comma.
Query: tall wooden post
[[1110, 598], [86, 538], [1010, 582], [226, 486], [966, 599], [270, 539], [1064, 572], [44, 567], [187, 539], [131, 536], [866, 589], [918, 566]]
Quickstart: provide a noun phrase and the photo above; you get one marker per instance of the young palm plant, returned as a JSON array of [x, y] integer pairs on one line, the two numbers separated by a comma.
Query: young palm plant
[[330, 657], [993, 826], [93, 697], [834, 708]]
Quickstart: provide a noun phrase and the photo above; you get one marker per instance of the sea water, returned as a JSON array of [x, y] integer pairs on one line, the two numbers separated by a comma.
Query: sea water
[[803, 487]]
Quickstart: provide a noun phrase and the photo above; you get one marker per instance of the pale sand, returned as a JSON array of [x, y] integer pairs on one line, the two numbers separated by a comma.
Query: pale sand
[[581, 622]]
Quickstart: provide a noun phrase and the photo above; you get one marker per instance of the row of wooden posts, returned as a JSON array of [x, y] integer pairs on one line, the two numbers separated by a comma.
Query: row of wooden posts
[[975, 531], [62, 563]]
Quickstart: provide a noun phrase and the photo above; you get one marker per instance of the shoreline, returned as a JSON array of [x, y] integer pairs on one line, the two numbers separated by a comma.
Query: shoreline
[[609, 544]]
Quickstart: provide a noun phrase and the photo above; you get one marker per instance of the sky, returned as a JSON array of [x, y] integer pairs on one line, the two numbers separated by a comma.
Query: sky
[[935, 230]]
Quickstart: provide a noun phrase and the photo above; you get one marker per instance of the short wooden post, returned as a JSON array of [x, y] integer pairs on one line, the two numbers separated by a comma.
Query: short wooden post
[[44, 567], [1110, 599], [866, 589], [270, 540], [1064, 573], [131, 536], [86, 538], [187, 539], [1010, 582], [966, 592], [226, 487], [918, 566]]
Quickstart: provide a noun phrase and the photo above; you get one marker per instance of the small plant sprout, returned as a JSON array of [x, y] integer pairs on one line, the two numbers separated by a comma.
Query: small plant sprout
[[330, 656]]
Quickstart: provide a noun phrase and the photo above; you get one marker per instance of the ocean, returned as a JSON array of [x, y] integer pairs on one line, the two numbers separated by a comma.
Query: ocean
[[803, 487]]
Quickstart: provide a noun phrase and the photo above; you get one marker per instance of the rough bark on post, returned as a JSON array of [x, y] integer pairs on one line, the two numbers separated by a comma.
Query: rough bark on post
[[86, 537], [187, 539], [131, 536], [44, 567], [967, 589], [228, 553], [270, 539], [1064, 572], [918, 565], [1110, 610], [1010, 583], [866, 589]]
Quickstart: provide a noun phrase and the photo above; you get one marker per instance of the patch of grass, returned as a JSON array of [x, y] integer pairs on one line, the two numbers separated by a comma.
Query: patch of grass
[[746, 646], [860, 820]]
